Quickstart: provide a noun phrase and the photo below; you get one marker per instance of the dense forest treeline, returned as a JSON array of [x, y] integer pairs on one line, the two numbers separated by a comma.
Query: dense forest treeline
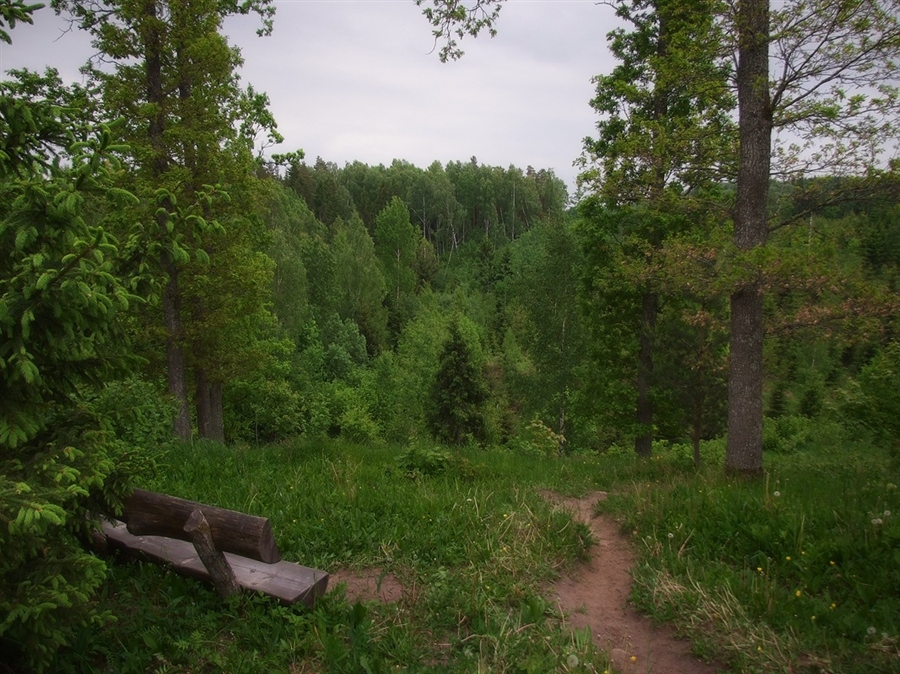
[[160, 279]]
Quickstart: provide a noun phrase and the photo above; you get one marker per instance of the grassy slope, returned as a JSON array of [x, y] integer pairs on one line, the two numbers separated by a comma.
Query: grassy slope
[[744, 570]]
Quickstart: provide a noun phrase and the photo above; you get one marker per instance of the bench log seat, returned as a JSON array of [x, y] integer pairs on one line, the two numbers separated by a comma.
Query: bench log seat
[[153, 528]]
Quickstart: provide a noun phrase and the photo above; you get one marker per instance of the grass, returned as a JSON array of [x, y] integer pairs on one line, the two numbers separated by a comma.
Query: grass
[[737, 567], [475, 542], [798, 572]]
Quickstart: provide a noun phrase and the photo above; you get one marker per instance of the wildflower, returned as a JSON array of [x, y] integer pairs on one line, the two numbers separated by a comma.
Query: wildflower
[[797, 593], [802, 552], [776, 494], [788, 558], [871, 631], [759, 568], [572, 660], [831, 562], [813, 618], [833, 605], [633, 658]]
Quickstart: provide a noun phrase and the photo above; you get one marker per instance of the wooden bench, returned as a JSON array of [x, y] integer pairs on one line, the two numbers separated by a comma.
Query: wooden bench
[[231, 549]]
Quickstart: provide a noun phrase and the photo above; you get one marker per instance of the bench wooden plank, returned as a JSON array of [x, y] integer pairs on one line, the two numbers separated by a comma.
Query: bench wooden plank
[[149, 513], [287, 582]]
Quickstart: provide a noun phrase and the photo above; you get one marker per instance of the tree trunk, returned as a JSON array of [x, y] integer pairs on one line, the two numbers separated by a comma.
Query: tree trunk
[[171, 299], [210, 418], [697, 431], [643, 443], [743, 455], [175, 367], [203, 404], [217, 417]]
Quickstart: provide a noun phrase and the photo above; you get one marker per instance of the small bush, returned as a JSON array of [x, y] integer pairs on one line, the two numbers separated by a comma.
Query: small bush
[[537, 439], [419, 461]]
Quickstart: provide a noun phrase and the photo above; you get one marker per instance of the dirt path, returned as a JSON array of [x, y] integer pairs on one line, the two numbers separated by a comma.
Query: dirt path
[[596, 595]]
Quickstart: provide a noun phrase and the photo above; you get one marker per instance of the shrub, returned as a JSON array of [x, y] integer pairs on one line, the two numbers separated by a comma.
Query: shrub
[[420, 461]]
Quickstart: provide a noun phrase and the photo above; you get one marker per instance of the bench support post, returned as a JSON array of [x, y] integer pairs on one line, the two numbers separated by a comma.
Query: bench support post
[[220, 571]]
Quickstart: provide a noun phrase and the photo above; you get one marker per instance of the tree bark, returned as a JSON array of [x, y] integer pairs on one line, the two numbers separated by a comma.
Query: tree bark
[[216, 414], [213, 559], [202, 403], [643, 443], [743, 455], [171, 299], [175, 366]]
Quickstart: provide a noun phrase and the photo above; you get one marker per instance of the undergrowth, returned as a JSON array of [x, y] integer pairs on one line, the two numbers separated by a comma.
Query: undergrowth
[[472, 541], [799, 572]]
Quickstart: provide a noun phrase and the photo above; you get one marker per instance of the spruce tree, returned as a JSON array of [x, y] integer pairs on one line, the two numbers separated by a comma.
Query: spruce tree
[[459, 393]]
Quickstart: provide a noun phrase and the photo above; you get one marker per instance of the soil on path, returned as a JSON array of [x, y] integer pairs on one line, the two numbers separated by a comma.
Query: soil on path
[[594, 594]]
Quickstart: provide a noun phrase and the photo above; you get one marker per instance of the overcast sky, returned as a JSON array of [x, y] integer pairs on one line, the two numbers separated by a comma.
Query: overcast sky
[[358, 80]]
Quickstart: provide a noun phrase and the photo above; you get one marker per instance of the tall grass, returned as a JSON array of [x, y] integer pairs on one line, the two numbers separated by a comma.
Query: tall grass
[[471, 539], [797, 572]]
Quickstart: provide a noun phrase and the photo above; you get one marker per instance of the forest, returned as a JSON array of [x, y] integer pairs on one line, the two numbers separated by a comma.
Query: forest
[[706, 329]]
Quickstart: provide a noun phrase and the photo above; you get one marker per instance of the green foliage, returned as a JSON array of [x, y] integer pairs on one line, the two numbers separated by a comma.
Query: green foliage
[[473, 553], [423, 461], [537, 439], [264, 406], [459, 392], [871, 400], [664, 108], [801, 563], [61, 303]]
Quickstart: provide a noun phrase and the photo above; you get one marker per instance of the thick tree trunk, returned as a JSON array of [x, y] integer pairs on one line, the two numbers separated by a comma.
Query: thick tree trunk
[[171, 299], [743, 455], [217, 416], [175, 367], [203, 404], [210, 417], [643, 443]]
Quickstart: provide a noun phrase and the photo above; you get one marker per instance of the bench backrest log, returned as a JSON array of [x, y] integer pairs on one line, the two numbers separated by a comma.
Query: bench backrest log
[[148, 513]]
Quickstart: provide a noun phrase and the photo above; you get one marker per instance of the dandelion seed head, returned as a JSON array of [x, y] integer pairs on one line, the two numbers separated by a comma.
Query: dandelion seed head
[[572, 660], [776, 494], [887, 513], [671, 535], [870, 631]]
